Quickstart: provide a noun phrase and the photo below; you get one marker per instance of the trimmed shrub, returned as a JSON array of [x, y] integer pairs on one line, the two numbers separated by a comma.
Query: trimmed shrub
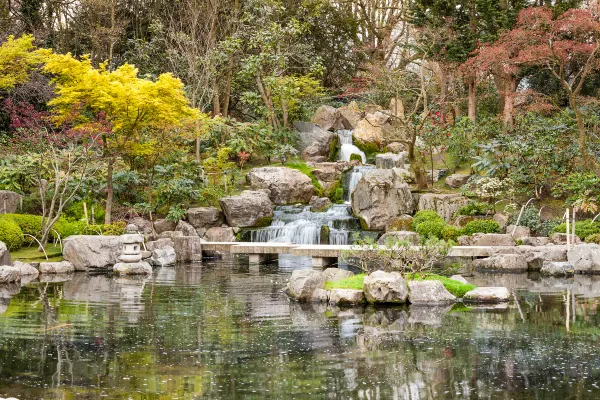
[[475, 208], [11, 234], [424, 216], [431, 228], [451, 232], [481, 226], [595, 238], [29, 224], [114, 229], [530, 219], [583, 229]]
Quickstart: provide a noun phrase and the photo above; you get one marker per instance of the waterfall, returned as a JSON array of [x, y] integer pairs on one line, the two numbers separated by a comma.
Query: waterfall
[[299, 225], [348, 148], [355, 175]]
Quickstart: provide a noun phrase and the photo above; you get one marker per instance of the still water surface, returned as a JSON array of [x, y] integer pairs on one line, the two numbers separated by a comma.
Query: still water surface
[[221, 330]]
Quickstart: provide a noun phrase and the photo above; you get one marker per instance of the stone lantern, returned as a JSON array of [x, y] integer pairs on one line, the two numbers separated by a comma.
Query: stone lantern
[[131, 258]]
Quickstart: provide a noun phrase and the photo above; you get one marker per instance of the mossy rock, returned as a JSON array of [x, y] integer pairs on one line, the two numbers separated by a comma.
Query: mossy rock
[[336, 193], [370, 150], [334, 149], [263, 222], [325, 231], [355, 157], [402, 223], [243, 235]]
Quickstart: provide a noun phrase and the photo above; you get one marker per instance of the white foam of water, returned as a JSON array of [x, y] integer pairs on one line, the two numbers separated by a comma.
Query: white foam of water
[[348, 148]]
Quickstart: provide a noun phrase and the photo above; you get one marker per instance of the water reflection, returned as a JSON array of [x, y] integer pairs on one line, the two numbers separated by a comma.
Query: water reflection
[[224, 330]]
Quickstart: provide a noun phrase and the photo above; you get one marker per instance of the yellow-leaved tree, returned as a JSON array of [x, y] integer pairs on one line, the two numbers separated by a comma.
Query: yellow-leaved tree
[[119, 105], [17, 58]]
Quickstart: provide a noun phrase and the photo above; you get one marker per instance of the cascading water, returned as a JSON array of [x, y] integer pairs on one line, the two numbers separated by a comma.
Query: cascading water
[[348, 148], [355, 175], [299, 225]]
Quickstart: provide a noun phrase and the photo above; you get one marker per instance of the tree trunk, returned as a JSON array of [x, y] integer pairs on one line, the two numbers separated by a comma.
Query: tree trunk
[[109, 191], [509, 101], [472, 100], [581, 130]]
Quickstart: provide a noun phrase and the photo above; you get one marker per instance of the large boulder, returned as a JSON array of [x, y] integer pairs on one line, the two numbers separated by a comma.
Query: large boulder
[[585, 258], [399, 236], [328, 118], [518, 232], [380, 197], [303, 283], [385, 287], [486, 239], [335, 274], [390, 160], [61, 267], [329, 173], [9, 274], [143, 225], [162, 225], [346, 297], [5, 258], [159, 244], [286, 185], [26, 269], [557, 268], [374, 128], [457, 180], [502, 262], [350, 115], [186, 229], [10, 202], [537, 256], [218, 234], [319, 204], [314, 143], [487, 295], [188, 248], [429, 293], [136, 268], [204, 218], [446, 205], [249, 209], [91, 252], [163, 257]]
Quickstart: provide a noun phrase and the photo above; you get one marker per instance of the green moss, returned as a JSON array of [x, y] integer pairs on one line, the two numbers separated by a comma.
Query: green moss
[[263, 222], [353, 282], [370, 149], [401, 224], [11, 234], [355, 157], [31, 254], [243, 235], [336, 193], [306, 170], [363, 224], [334, 149], [325, 231], [455, 287]]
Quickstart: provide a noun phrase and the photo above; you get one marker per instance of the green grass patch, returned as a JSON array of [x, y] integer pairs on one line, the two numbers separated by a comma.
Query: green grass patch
[[353, 282], [306, 170], [31, 254], [455, 287]]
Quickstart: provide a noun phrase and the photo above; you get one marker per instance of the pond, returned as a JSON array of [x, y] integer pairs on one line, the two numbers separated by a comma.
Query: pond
[[222, 330]]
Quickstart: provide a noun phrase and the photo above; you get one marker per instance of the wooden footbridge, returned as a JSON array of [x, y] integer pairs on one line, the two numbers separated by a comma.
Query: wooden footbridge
[[322, 255]]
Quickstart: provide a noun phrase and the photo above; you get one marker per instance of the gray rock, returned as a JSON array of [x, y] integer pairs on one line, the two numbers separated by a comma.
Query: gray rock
[[402, 223], [501, 219], [61, 267], [396, 147], [561, 238], [91, 251], [9, 274], [10, 202], [535, 241], [486, 239], [286, 185], [162, 225], [310, 134], [380, 197], [429, 292], [5, 258], [10, 289], [459, 278], [390, 160], [186, 229], [399, 236], [457, 180], [335, 274], [218, 234], [437, 174], [320, 296], [205, 217], [330, 173], [502, 262], [143, 225], [350, 115], [136, 268], [163, 257], [303, 283], [248, 209], [327, 117], [315, 153], [536, 256], [349, 297], [557, 268], [188, 248], [446, 205], [159, 244], [518, 232], [487, 295], [385, 287], [319, 204], [585, 258], [26, 269], [170, 235], [371, 129]]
